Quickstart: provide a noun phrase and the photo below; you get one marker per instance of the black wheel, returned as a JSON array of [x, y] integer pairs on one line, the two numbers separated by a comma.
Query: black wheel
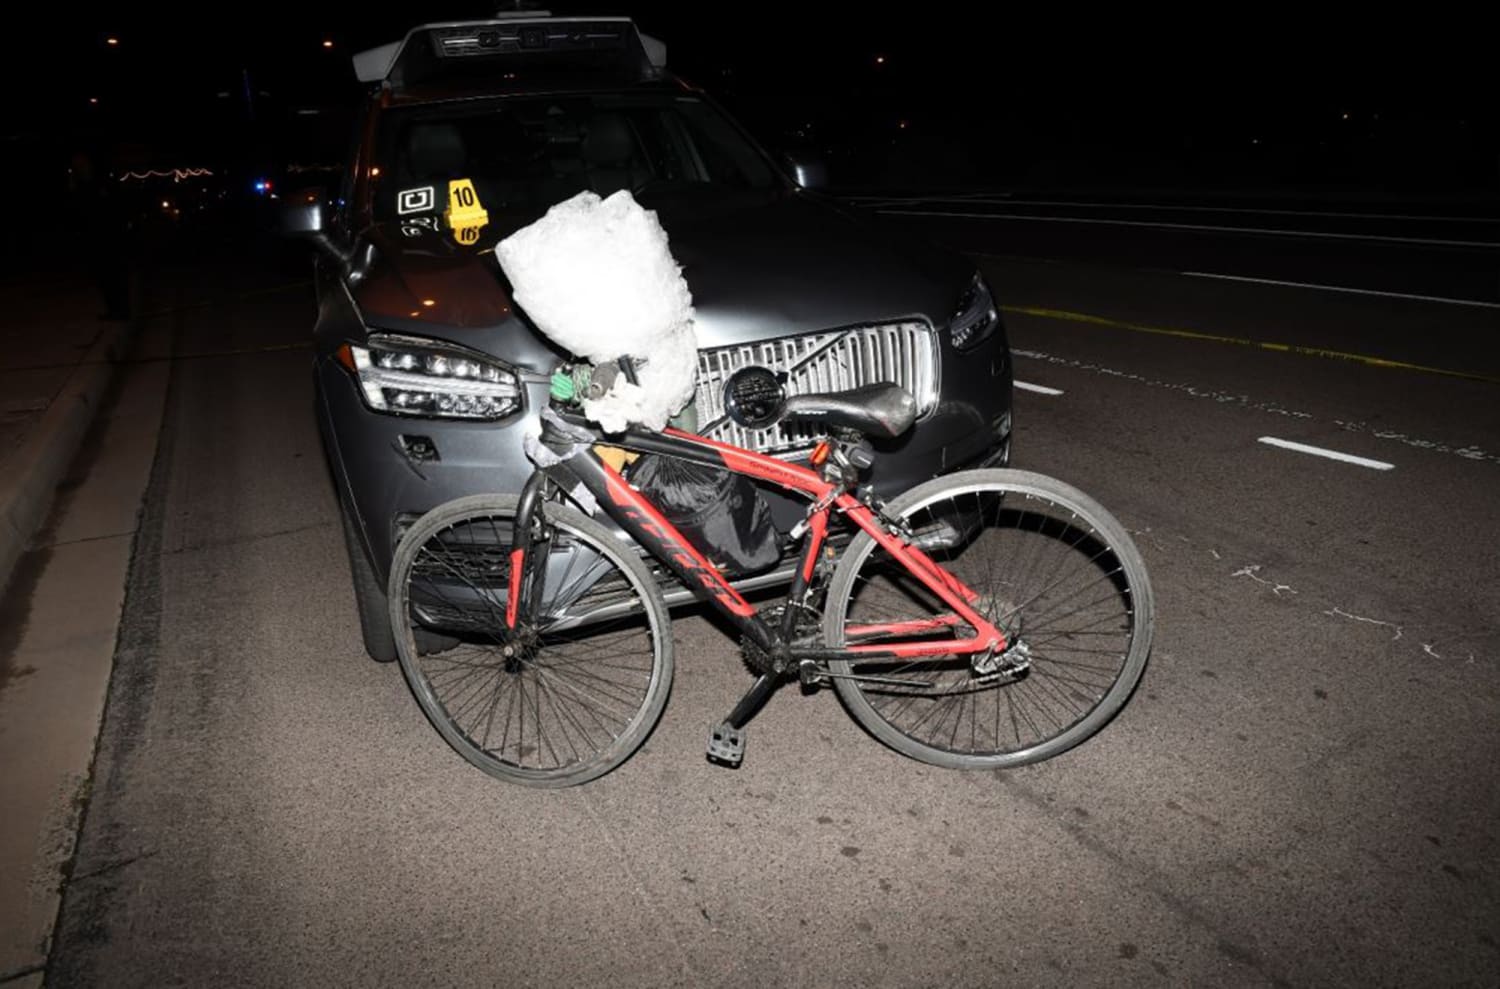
[[566, 697], [1053, 570]]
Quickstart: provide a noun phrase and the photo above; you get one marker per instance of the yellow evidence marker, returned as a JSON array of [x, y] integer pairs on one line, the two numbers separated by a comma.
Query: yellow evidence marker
[[464, 208]]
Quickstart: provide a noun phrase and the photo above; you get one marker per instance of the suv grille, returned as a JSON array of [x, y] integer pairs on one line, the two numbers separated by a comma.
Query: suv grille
[[834, 361]]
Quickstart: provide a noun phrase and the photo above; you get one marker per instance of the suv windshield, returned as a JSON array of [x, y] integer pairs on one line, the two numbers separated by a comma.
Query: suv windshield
[[526, 154]]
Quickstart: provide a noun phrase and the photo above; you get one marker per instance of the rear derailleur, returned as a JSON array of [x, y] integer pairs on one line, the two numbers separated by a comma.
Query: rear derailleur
[[1014, 662]]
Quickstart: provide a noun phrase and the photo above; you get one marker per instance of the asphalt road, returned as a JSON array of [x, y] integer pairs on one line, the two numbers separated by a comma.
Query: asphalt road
[[1449, 253], [1301, 793]]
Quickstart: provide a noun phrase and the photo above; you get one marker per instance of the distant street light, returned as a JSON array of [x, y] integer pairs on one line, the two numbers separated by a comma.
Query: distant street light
[[327, 43], [112, 42], [93, 101], [879, 59]]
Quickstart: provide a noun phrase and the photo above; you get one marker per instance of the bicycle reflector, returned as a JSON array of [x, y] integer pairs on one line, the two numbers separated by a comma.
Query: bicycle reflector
[[754, 397]]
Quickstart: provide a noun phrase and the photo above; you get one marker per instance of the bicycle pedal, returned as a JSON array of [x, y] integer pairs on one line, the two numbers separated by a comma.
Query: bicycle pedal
[[726, 745]]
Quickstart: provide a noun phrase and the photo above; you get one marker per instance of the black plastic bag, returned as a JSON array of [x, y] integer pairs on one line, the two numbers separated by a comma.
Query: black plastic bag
[[720, 512]]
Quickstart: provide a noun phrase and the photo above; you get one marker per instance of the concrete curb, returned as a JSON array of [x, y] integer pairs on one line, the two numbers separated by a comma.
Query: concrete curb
[[26, 491]]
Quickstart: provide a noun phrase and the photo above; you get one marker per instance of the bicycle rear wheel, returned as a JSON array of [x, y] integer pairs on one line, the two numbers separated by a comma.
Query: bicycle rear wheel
[[1053, 570], [566, 697]]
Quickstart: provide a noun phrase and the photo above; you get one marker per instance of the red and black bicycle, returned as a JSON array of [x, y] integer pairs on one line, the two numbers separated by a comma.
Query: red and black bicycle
[[983, 619]]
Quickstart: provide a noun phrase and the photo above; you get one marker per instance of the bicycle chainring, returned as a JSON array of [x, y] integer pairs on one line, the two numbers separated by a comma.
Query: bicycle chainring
[[805, 632]]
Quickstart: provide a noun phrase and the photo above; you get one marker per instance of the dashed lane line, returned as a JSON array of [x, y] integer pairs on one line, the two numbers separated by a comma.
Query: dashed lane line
[[1319, 451]]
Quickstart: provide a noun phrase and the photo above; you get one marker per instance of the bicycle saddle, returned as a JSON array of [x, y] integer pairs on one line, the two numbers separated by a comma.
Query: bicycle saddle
[[884, 411]]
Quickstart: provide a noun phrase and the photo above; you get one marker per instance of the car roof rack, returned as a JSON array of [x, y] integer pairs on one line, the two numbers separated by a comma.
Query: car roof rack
[[512, 41]]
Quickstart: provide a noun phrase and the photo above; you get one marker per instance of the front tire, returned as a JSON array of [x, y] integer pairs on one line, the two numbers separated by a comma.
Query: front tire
[[562, 701]]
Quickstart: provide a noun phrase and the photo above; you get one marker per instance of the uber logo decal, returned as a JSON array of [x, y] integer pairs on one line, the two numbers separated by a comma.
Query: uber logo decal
[[416, 200]]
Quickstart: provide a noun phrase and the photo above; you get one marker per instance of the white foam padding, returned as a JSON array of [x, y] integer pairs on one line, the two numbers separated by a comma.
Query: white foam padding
[[598, 278]]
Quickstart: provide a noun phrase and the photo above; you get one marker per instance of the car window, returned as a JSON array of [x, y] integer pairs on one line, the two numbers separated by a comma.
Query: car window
[[526, 154]]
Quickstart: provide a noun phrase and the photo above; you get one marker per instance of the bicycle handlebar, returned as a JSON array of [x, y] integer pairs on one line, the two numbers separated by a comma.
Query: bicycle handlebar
[[606, 374]]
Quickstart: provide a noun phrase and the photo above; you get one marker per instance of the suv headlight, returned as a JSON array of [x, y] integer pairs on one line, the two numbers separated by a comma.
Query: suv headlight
[[406, 376], [977, 316]]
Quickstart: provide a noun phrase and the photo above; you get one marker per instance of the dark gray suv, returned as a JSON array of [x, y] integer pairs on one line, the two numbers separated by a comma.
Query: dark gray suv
[[428, 376]]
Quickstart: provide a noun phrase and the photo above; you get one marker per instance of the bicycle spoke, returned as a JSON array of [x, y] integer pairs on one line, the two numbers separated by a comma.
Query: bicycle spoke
[[532, 705], [1046, 573]]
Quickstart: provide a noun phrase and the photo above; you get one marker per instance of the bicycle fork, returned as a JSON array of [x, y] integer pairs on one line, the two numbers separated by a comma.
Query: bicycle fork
[[524, 588]]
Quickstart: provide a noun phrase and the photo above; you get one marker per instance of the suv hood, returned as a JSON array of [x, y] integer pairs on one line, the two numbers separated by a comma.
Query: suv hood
[[759, 264]]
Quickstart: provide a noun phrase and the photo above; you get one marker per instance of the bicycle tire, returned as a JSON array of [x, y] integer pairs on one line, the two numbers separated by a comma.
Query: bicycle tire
[[600, 700], [1032, 519]]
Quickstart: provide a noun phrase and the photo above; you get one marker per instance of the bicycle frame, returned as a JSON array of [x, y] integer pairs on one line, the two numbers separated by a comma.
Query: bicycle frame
[[634, 513]]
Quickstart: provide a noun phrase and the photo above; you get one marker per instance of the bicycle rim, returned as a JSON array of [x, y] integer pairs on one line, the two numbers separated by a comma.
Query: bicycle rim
[[563, 701], [1052, 569]]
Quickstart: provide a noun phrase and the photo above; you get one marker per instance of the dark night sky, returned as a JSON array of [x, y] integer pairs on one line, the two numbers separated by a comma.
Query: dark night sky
[[1228, 94]]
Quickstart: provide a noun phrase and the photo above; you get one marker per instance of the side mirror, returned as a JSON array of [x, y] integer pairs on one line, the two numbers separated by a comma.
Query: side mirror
[[304, 216], [808, 171]]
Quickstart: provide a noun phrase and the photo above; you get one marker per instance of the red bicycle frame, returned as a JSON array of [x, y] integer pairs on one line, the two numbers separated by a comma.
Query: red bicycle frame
[[662, 540]]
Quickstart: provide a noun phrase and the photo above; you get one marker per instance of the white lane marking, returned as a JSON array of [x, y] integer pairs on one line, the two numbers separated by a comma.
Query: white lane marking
[[1428, 241], [1332, 214], [1467, 452], [1319, 451], [1342, 288], [1211, 394], [1039, 389]]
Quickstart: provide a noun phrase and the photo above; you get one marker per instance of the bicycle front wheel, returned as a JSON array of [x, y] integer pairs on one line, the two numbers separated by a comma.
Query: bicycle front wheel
[[573, 691], [1052, 569]]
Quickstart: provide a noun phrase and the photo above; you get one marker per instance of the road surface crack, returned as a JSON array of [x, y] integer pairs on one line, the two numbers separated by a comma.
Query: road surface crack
[[1253, 572], [1341, 613]]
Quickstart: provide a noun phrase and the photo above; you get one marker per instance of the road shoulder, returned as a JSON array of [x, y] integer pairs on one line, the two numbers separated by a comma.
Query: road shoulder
[[61, 616]]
